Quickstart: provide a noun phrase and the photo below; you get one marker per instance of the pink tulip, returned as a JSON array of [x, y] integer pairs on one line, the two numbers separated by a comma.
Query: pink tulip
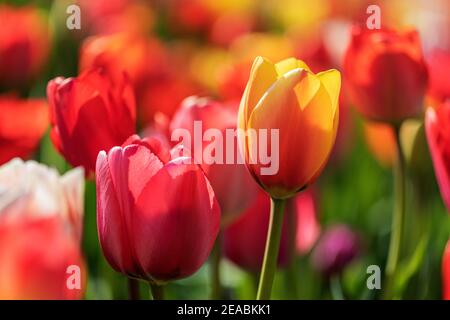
[[157, 218]]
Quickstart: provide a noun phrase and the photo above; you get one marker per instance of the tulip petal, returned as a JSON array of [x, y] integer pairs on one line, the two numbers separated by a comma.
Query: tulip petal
[[112, 230], [331, 80], [262, 76], [289, 64]]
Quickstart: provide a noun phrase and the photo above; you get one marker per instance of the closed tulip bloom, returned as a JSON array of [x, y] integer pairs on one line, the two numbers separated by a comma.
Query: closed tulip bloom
[[24, 44], [437, 126], [386, 74], [89, 114], [245, 239], [22, 124], [157, 218], [40, 232], [303, 106], [232, 183], [446, 272]]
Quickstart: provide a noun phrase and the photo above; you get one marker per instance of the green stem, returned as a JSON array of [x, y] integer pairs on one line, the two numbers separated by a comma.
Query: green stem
[[157, 291], [272, 247], [216, 287], [336, 288], [133, 289], [398, 218]]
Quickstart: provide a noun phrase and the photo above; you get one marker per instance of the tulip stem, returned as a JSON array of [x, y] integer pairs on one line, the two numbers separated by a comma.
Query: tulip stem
[[398, 217], [157, 291], [272, 247], [216, 287], [133, 289]]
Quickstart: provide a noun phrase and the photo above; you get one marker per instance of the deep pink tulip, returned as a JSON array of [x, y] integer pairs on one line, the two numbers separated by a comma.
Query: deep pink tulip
[[157, 218]]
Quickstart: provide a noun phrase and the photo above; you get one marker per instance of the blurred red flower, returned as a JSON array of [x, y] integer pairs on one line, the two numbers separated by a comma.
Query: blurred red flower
[[437, 125], [157, 218], [142, 58], [24, 44], [89, 114], [308, 227], [439, 69], [40, 231], [22, 125], [386, 74]]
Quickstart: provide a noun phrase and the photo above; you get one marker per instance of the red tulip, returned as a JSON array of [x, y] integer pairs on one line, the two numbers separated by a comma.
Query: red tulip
[[439, 69], [244, 240], [40, 232], [141, 58], [386, 74], [157, 218], [90, 114], [446, 272], [22, 125], [24, 44], [232, 183], [437, 125]]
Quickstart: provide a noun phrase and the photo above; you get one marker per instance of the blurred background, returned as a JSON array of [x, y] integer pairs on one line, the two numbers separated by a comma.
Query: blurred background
[[172, 49]]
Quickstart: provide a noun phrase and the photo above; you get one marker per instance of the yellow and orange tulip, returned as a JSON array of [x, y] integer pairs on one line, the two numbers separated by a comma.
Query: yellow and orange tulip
[[304, 107]]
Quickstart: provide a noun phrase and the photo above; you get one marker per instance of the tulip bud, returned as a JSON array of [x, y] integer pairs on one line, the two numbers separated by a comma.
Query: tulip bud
[[157, 218], [22, 125], [437, 127], [40, 232], [336, 249], [303, 108], [89, 114], [386, 74]]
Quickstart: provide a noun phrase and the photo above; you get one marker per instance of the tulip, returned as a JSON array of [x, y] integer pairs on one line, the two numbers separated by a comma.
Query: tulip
[[22, 124], [40, 231], [439, 69], [446, 272], [437, 127], [244, 240], [24, 44], [336, 249], [157, 218], [141, 58], [386, 74], [89, 114], [232, 184], [289, 98]]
